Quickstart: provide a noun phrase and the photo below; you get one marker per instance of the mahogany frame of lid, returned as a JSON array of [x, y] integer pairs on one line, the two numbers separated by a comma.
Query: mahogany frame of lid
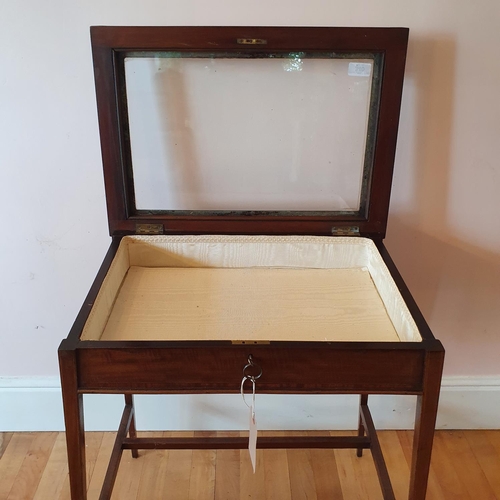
[[108, 46]]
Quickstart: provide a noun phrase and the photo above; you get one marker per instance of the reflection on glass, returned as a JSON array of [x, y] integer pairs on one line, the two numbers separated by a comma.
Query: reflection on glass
[[224, 133]]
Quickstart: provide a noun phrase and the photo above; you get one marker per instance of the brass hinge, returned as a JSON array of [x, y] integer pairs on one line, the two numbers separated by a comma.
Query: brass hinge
[[345, 231], [149, 229]]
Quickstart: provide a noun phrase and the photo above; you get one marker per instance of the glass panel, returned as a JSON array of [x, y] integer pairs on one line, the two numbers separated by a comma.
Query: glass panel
[[221, 132]]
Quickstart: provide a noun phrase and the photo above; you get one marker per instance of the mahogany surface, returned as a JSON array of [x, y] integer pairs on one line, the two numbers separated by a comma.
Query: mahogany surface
[[216, 366], [218, 369]]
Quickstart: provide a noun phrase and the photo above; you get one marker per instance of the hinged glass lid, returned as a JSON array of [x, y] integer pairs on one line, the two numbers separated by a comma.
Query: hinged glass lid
[[248, 130], [238, 132]]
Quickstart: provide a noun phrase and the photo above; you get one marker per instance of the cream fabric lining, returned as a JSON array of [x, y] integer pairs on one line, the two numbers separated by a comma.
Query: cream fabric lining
[[250, 283]]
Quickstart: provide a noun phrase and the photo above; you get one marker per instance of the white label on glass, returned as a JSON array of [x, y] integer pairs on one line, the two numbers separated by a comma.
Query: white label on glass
[[359, 69]]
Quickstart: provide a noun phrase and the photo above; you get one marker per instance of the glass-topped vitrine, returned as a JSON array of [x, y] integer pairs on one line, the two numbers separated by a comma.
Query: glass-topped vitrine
[[248, 174]]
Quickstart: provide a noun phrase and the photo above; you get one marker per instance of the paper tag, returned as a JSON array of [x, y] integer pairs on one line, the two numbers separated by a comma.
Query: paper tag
[[359, 69], [252, 439]]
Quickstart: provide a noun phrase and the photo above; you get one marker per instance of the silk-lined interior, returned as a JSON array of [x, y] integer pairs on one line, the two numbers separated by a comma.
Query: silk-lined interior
[[247, 288]]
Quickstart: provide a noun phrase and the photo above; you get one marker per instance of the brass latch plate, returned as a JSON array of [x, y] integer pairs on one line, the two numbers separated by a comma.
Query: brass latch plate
[[249, 342]]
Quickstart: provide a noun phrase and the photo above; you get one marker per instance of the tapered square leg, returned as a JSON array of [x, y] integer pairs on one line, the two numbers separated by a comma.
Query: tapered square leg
[[425, 422], [73, 417]]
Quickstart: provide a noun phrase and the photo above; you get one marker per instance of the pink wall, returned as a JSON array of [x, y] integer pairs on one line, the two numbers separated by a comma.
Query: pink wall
[[443, 231]]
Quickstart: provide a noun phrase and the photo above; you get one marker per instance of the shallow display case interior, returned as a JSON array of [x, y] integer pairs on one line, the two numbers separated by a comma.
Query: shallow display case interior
[[249, 288]]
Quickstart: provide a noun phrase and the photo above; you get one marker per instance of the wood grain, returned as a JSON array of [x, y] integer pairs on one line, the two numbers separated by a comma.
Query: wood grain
[[487, 457], [202, 478], [252, 485], [12, 460], [34, 463], [301, 473], [227, 472], [249, 304], [276, 475], [154, 471], [55, 472], [100, 466], [448, 476], [434, 491], [129, 477], [366, 476], [179, 467], [346, 467], [92, 444], [465, 465], [326, 476], [396, 463], [468, 469]]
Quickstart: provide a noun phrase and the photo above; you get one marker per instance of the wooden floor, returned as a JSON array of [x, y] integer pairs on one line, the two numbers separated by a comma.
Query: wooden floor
[[465, 465]]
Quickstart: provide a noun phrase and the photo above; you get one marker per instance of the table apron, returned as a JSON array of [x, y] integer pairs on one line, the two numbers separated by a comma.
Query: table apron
[[220, 370]]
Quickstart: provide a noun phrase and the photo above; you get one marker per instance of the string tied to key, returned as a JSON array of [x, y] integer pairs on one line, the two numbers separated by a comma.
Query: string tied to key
[[251, 372]]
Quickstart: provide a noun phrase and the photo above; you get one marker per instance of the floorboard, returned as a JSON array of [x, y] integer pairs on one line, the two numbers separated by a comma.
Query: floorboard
[[465, 465]]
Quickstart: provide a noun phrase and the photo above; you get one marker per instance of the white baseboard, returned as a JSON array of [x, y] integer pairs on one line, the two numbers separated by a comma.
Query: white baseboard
[[34, 404]]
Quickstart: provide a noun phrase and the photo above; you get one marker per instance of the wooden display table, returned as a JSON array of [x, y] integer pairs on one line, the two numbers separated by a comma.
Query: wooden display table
[[310, 297]]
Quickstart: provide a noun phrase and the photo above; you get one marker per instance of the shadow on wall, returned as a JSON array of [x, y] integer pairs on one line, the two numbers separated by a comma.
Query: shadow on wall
[[431, 68], [457, 287], [456, 284]]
